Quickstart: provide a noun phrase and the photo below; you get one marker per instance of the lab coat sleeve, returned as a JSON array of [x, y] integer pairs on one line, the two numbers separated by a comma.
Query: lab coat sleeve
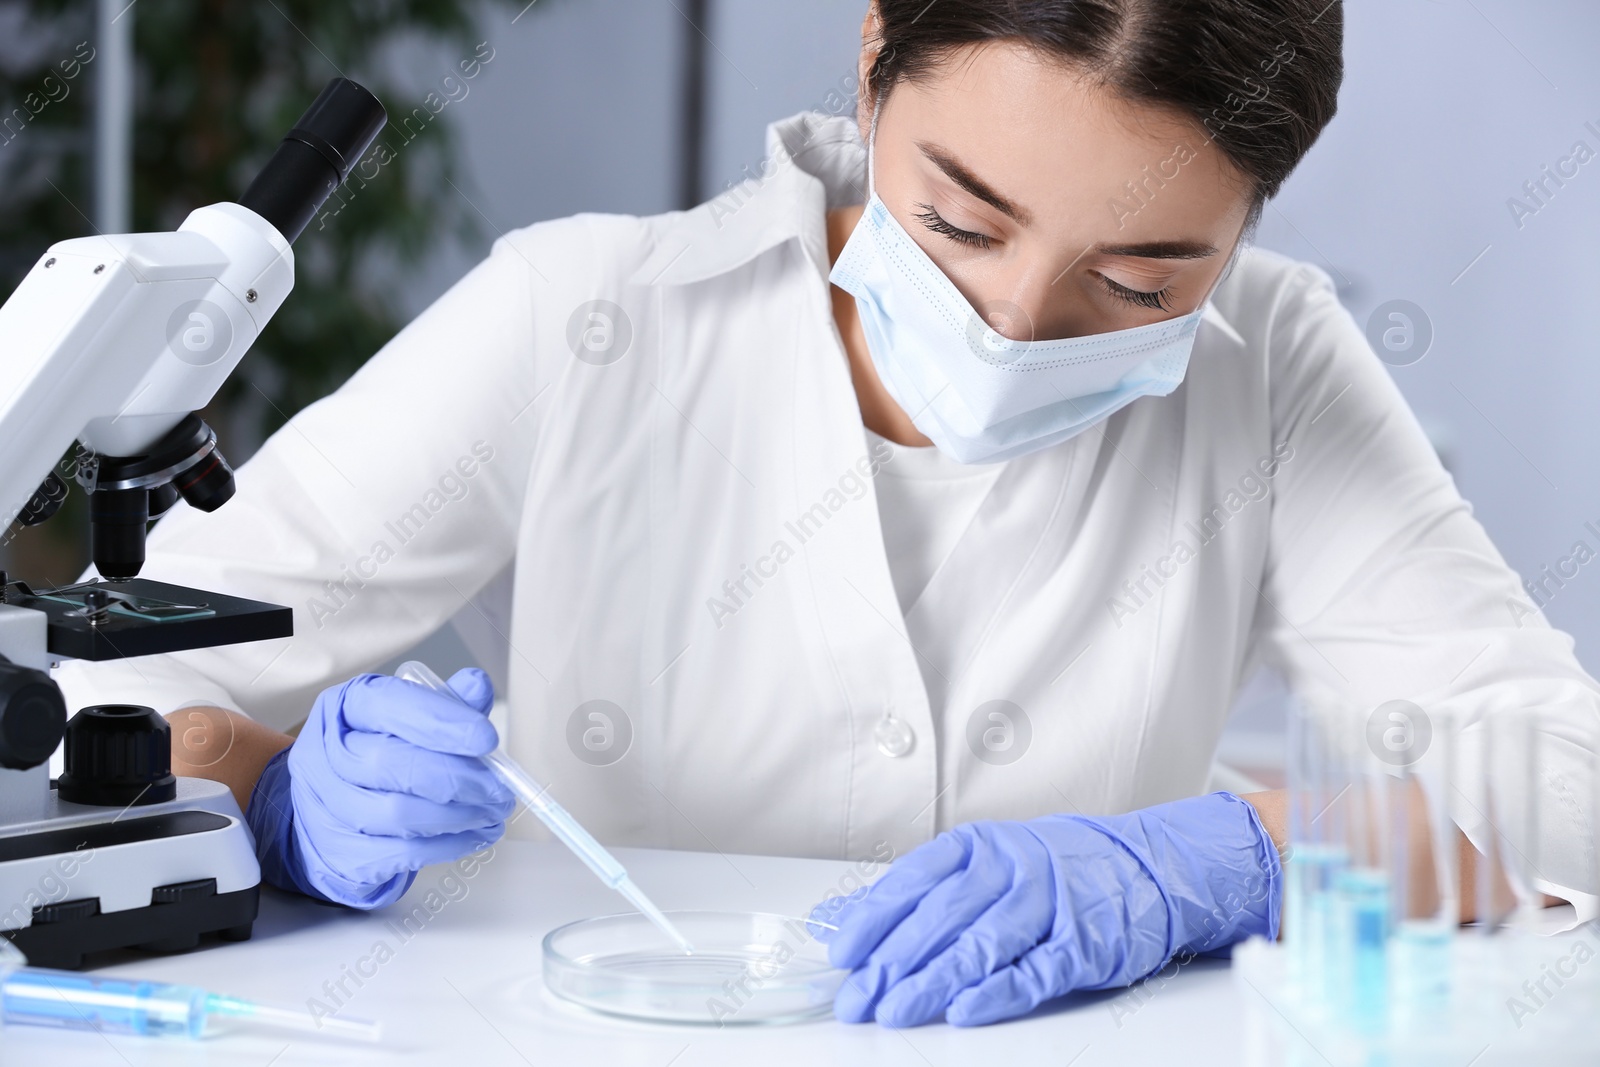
[[375, 514], [1380, 585]]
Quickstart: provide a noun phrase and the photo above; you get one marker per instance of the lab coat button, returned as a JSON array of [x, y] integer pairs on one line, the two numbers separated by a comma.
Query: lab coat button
[[895, 738]]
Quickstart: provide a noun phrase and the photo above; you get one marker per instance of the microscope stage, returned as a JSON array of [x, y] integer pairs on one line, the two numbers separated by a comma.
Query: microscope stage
[[146, 618]]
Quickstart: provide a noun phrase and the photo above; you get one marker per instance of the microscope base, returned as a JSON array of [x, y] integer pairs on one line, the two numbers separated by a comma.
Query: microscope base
[[194, 910], [85, 880]]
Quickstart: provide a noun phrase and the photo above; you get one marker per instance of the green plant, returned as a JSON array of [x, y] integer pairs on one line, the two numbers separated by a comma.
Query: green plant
[[217, 84]]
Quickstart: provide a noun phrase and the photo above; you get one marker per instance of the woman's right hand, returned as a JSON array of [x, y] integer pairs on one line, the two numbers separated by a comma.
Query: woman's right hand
[[384, 779]]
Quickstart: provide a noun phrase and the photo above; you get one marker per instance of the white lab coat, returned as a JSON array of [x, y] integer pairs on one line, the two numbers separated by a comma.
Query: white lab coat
[[629, 503]]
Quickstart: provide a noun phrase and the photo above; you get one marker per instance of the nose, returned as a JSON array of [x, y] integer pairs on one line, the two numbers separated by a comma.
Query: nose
[[1031, 300], [1009, 320], [1028, 309]]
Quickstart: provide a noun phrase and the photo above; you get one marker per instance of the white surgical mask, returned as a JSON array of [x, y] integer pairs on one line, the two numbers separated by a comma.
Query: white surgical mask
[[978, 395]]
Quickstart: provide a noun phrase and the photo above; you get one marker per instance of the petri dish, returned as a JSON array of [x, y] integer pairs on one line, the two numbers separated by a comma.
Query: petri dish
[[748, 968]]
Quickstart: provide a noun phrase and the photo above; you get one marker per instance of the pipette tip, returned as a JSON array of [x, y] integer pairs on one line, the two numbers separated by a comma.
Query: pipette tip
[[654, 914], [246, 1011]]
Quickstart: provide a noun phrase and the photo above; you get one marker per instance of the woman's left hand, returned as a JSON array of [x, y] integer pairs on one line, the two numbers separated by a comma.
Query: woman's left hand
[[990, 919]]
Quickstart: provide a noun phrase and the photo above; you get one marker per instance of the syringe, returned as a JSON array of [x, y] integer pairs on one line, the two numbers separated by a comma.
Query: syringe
[[35, 996], [566, 829]]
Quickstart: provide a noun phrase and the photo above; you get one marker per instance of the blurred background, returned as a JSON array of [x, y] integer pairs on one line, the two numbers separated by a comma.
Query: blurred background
[[1450, 191]]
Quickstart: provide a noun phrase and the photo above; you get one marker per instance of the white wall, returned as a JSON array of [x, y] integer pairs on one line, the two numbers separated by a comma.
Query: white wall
[[1448, 110], [770, 61], [577, 112]]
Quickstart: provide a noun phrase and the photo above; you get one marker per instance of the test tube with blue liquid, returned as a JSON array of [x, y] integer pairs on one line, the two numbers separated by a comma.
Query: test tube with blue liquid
[[1427, 897], [1318, 855], [566, 829], [1362, 898], [1339, 901]]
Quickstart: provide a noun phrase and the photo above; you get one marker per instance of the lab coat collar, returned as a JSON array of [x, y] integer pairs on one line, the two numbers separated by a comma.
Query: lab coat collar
[[1216, 318], [815, 162]]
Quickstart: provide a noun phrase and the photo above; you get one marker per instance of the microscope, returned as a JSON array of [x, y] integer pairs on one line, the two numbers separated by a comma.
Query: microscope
[[114, 343]]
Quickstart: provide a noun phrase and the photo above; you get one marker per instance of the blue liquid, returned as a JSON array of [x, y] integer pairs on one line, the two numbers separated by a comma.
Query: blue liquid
[[1363, 907], [1423, 958], [1313, 871], [110, 1005]]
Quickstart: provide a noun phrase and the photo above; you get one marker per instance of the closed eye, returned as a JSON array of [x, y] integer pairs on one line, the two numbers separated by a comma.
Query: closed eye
[[930, 217], [1156, 300]]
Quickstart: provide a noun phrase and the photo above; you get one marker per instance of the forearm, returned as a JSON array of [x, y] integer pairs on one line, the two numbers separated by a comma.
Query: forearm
[[223, 746], [1273, 810]]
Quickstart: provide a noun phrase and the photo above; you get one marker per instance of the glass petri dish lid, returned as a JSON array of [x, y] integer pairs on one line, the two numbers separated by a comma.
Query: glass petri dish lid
[[747, 968]]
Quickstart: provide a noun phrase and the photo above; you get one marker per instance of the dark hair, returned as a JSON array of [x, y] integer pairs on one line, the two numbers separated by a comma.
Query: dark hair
[[1261, 76]]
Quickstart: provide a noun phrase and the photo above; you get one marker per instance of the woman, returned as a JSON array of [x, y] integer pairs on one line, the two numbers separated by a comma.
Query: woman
[[990, 529]]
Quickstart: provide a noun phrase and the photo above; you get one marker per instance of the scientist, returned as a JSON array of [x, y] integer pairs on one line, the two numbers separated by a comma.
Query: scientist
[[928, 494]]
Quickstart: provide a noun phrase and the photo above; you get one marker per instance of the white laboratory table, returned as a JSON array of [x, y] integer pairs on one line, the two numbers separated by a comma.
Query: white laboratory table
[[465, 987]]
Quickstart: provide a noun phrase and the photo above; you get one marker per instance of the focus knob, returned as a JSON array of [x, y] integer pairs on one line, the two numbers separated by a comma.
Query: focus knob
[[118, 755], [32, 716]]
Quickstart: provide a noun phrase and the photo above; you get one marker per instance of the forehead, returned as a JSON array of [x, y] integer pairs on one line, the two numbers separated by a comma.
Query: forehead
[[1057, 141]]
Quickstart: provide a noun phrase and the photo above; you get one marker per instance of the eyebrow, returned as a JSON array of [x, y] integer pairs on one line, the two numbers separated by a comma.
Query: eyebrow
[[973, 184], [1160, 250]]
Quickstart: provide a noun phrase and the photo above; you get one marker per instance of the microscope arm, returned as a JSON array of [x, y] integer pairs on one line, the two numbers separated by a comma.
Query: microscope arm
[[114, 341]]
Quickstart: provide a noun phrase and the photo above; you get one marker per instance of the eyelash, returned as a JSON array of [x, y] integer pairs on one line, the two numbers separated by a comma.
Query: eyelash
[[1156, 301], [936, 222], [930, 217]]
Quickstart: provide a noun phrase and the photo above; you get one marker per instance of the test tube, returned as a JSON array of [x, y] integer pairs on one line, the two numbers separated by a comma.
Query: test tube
[[1510, 769], [1426, 901], [1520, 788], [1299, 929], [1363, 894], [1318, 853], [1594, 805], [1469, 795]]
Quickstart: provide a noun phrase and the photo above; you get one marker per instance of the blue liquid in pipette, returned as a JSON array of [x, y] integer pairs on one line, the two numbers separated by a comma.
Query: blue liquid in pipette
[[111, 1005], [39, 997], [560, 823]]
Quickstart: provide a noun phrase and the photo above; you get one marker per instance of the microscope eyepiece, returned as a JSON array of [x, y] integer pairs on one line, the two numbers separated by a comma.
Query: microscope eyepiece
[[315, 157]]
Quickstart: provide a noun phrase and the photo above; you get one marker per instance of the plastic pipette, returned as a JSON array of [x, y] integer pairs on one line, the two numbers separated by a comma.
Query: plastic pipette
[[566, 829], [35, 996]]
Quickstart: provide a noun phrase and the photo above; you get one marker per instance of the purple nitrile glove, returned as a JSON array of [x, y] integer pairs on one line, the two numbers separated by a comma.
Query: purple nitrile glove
[[384, 779], [990, 919]]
